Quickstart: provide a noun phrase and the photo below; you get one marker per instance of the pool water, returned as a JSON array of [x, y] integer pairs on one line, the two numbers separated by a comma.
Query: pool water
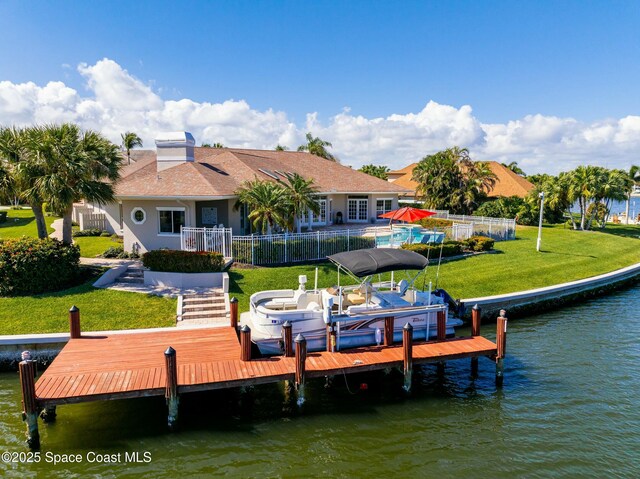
[[413, 234]]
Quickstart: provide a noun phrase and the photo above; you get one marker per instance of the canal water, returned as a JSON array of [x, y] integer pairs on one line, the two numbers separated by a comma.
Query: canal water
[[570, 407]]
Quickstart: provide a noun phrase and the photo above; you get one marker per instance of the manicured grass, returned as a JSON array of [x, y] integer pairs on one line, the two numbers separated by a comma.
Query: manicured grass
[[101, 309], [566, 255], [22, 223], [92, 246]]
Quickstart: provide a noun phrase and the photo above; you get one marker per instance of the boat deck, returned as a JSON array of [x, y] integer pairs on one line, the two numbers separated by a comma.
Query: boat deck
[[102, 367]]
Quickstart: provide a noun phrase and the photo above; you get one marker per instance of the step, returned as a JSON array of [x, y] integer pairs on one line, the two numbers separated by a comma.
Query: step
[[202, 299], [203, 315], [134, 272], [202, 307], [130, 279]]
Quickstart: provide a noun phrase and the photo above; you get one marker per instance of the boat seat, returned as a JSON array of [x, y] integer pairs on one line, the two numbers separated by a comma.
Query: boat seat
[[356, 298]]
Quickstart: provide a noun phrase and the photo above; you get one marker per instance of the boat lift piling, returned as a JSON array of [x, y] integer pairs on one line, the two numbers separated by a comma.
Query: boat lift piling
[[476, 314]]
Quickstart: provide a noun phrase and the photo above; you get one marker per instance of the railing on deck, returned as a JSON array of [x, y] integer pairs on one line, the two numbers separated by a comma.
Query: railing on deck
[[206, 239]]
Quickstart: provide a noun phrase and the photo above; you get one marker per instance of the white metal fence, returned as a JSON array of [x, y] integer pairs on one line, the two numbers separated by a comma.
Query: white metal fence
[[500, 229], [461, 231], [207, 239]]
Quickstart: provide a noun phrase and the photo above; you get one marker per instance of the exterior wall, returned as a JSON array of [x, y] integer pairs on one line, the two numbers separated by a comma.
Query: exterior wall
[[223, 212], [146, 237], [340, 205], [233, 218]]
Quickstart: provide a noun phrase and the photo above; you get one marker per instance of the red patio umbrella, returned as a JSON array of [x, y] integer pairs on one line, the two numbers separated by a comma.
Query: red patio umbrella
[[408, 214]]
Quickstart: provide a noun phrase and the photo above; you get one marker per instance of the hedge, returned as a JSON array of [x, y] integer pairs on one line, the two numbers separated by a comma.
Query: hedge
[[175, 261], [3, 216], [479, 243], [434, 223], [32, 265], [449, 248], [89, 232]]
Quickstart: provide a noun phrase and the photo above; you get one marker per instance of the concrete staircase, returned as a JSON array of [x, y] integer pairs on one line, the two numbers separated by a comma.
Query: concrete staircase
[[133, 274], [203, 308]]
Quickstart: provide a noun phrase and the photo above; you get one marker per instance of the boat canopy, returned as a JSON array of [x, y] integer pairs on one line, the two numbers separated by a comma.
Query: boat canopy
[[365, 262]]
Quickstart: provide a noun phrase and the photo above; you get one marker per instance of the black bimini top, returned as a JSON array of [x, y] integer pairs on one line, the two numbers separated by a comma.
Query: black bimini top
[[365, 262]]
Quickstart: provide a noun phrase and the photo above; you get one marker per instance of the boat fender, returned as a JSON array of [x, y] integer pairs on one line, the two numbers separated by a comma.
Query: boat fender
[[378, 336]]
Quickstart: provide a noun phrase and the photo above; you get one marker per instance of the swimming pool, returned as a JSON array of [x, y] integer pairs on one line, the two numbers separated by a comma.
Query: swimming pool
[[412, 234]]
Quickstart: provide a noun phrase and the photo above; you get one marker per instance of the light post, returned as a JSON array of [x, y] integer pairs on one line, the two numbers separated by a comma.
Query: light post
[[541, 195]]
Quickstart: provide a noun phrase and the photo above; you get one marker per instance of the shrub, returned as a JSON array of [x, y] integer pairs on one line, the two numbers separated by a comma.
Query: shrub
[[176, 261], [449, 248], [32, 266], [113, 252], [434, 223], [479, 243], [89, 232], [3, 216], [105, 234]]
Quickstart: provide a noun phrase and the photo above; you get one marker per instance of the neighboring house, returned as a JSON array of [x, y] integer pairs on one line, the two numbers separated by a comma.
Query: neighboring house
[[179, 184], [507, 182]]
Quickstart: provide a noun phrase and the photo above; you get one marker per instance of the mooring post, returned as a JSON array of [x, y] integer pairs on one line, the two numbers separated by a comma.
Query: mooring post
[[407, 349], [501, 345], [476, 314], [287, 337], [442, 326], [301, 358], [29, 403], [331, 338], [74, 322], [388, 330], [233, 313], [245, 343], [171, 390]]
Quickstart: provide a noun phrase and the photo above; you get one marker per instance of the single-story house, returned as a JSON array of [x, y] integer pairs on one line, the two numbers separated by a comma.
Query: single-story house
[[508, 183], [179, 184]]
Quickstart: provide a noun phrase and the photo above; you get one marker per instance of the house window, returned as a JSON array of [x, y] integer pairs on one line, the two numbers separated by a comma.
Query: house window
[[357, 210], [170, 220], [383, 205], [138, 216]]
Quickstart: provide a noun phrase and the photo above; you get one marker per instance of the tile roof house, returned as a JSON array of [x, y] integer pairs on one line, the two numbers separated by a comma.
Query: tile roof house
[[507, 182], [179, 184]]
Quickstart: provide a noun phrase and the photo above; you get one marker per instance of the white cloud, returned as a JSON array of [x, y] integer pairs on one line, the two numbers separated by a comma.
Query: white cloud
[[117, 102]]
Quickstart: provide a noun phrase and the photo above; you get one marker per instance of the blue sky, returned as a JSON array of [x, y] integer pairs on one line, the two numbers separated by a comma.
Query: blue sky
[[569, 59]]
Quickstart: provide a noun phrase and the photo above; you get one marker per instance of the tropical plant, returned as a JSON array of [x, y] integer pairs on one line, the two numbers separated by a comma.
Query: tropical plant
[[20, 169], [268, 203], [301, 198], [375, 170], [317, 147], [279, 147], [214, 145], [513, 166], [73, 164], [450, 180], [129, 141]]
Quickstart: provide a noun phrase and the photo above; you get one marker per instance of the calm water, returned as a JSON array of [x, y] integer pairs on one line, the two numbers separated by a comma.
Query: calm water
[[570, 407]]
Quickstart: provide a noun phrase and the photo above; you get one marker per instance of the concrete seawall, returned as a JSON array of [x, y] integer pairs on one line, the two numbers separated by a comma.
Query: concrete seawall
[[550, 297]]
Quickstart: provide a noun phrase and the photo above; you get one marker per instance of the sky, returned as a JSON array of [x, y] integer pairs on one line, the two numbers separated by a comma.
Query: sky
[[548, 84]]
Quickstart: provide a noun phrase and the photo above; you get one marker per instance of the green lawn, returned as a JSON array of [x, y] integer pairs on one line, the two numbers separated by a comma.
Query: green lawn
[[100, 309], [92, 246], [22, 223], [566, 255]]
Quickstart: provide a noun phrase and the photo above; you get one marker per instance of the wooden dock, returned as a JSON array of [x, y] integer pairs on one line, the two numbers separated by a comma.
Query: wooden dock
[[94, 367]]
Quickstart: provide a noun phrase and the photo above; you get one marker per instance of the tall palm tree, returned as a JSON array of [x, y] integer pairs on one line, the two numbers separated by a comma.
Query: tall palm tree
[[129, 141], [317, 147], [513, 166], [74, 164], [301, 196], [634, 174], [21, 169], [279, 147], [268, 203]]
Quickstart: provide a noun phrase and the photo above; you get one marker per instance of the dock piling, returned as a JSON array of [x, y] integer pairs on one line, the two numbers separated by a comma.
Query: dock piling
[[233, 313], [27, 370], [388, 330], [74, 322], [407, 349], [171, 390], [442, 326], [331, 338], [245, 343], [287, 338], [476, 315], [301, 358], [501, 345]]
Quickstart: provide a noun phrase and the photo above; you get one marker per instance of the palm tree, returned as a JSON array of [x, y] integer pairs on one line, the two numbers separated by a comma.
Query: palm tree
[[513, 166], [634, 174], [317, 147], [268, 203], [74, 165], [129, 141], [215, 145], [375, 170], [301, 197], [279, 147], [18, 161]]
